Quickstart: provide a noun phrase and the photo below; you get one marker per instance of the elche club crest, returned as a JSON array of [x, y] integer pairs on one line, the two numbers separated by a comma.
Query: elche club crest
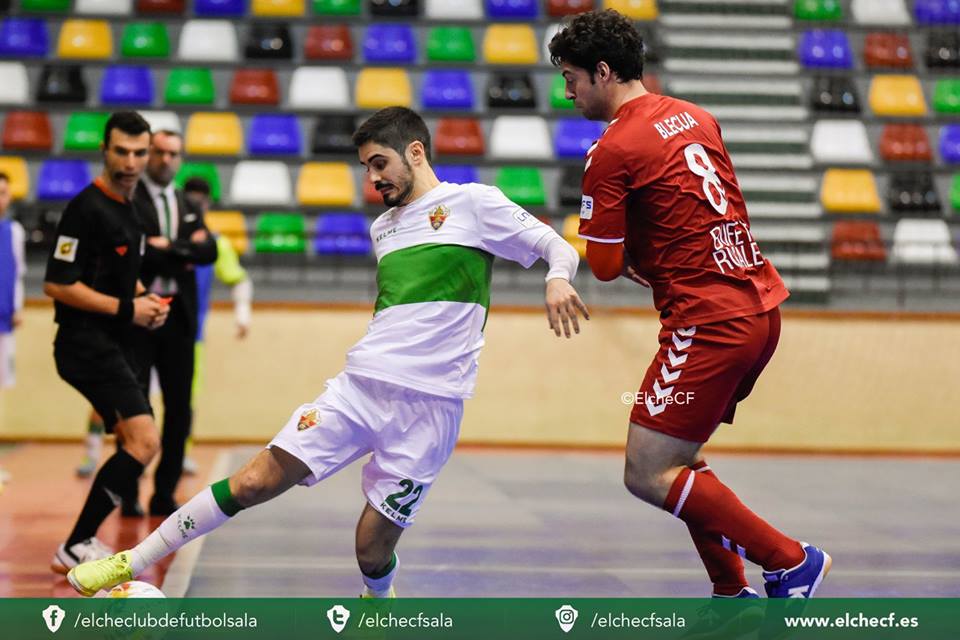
[[308, 419], [438, 216]]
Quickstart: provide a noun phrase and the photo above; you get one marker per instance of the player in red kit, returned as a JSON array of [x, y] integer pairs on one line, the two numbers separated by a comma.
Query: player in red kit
[[662, 206]]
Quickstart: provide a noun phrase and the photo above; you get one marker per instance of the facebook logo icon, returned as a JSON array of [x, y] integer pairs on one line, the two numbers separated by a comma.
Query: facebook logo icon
[[53, 616]]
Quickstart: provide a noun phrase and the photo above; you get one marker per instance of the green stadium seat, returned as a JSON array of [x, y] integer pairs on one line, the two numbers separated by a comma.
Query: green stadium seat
[[46, 5], [523, 185], [818, 10], [190, 85], [280, 233], [946, 96], [145, 40], [558, 94], [955, 193], [450, 44], [84, 131], [336, 7], [205, 170]]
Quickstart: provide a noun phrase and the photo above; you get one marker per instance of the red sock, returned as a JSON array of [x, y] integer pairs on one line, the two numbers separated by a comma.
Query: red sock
[[706, 503], [725, 567]]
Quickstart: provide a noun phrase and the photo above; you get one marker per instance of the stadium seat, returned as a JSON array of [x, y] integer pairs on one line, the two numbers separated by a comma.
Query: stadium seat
[[213, 40], [934, 12], [513, 44], [394, 8], [634, 9], [45, 6], [571, 186], [573, 136], [278, 232], [857, 240], [523, 185], [913, 193], [520, 137], [277, 8], [103, 7], [457, 173], [187, 85], [336, 7], [548, 34], [450, 44], [23, 38], [333, 134], [231, 225], [84, 130], [946, 96], [214, 134], [955, 193], [905, 143], [923, 242], [447, 90], [261, 182], [511, 9], [162, 120], [459, 136], [460, 10], [87, 39], [378, 88], [825, 49], [161, 7], [14, 85], [328, 42], [883, 50], [571, 233], [880, 12], [254, 86], [834, 94], [319, 88], [61, 179], [346, 234], [950, 143], [145, 40], [390, 43], [840, 142], [27, 131], [561, 8], [558, 93], [269, 42], [220, 8], [818, 10], [274, 134], [943, 49], [122, 85], [512, 90], [58, 83], [326, 184], [849, 191], [16, 168], [205, 170], [897, 95]]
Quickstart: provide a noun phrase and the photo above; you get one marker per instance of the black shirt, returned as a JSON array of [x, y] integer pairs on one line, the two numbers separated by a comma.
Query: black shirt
[[100, 243]]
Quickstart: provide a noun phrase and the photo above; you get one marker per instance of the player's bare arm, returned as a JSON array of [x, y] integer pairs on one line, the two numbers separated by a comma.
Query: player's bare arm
[[564, 306]]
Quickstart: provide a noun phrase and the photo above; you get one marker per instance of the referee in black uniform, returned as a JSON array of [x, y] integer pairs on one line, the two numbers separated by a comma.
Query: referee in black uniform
[[92, 275]]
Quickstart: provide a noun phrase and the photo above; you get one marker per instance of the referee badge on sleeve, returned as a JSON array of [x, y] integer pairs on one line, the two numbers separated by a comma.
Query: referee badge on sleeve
[[586, 208], [66, 249]]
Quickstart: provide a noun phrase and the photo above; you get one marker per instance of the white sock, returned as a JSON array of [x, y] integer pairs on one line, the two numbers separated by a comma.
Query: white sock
[[380, 587], [200, 515], [94, 444]]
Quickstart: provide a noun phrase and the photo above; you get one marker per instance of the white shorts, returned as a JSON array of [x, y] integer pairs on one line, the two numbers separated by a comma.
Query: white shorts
[[7, 355], [411, 435]]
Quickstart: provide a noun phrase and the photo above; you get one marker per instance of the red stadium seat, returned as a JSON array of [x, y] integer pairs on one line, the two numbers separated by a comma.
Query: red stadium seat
[[905, 143], [883, 50], [27, 131], [858, 240], [329, 42], [459, 136], [254, 86], [560, 8], [167, 7]]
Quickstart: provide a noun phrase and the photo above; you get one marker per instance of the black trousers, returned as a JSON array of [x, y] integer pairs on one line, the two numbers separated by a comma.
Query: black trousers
[[170, 349]]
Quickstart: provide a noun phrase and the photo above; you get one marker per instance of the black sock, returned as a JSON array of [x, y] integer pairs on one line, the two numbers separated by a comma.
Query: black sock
[[115, 477]]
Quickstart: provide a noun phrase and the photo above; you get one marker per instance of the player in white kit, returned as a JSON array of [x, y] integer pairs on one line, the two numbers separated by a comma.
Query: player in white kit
[[400, 395]]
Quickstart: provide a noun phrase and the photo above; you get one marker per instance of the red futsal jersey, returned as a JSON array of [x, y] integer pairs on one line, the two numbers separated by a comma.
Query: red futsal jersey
[[660, 181]]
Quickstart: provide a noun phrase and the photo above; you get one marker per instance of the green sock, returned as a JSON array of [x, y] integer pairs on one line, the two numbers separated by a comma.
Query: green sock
[[225, 500]]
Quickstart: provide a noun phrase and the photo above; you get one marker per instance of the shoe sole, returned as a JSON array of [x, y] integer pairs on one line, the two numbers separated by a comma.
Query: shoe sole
[[78, 587], [824, 570]]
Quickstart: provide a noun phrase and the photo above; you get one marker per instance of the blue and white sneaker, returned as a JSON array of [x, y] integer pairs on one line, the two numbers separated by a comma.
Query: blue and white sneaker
[[803, 580]]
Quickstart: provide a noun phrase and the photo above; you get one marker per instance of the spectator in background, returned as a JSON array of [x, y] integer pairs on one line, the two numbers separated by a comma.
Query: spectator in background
[[12, 268]]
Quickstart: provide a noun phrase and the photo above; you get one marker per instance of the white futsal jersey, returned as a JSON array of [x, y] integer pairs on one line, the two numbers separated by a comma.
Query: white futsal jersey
[[434, 265]]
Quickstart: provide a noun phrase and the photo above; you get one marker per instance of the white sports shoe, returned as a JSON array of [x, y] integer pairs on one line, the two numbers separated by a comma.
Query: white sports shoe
[[86, 551]]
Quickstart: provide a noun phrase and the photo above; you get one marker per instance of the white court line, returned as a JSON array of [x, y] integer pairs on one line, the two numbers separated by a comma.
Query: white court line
[[177, 580]]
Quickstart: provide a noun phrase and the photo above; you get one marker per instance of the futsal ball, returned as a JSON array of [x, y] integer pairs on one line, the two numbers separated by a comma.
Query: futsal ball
[[135, 589]]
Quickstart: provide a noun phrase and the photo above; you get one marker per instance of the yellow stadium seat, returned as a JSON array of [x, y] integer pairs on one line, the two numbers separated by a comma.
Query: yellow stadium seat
[[510, 44], [571, 233], [378, 88], [278, 8], [89, 39], [634, 9], [892, 95], [16, 168], [214, 134], [849, 191], [326, 184], [231, 225]]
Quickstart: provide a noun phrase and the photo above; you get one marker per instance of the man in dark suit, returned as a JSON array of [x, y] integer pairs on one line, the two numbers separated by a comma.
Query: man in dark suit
[[177, 240]]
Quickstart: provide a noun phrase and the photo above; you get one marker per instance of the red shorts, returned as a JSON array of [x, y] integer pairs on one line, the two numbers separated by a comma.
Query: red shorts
[[700, 374]]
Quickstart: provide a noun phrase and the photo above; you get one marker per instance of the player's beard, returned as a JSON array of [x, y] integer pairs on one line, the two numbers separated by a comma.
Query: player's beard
[[403, 188]]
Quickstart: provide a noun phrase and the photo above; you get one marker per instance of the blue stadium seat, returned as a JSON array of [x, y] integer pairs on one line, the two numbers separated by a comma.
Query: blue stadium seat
[[574, 136], [392, 43], [932, 12], [62, 179], [457, 173], [274, 134], [220, 8], [124, 84], [950, 143], [24, 38], [447, 90], [825, 48], [512, 9], [345, 234]]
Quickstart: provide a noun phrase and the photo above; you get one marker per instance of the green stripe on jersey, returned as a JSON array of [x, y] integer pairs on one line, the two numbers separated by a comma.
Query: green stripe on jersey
[[434, 273]]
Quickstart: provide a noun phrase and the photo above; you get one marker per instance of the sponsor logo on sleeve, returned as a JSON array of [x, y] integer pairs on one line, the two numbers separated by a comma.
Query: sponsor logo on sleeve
[[586, 208], [66, 249], [526, 220]]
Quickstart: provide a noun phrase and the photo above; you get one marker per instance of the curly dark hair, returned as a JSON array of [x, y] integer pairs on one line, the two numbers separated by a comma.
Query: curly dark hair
[[597, 36]]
